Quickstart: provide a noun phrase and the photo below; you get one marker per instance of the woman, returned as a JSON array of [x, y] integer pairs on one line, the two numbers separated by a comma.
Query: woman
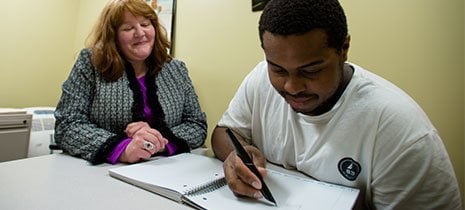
[[126, 99]]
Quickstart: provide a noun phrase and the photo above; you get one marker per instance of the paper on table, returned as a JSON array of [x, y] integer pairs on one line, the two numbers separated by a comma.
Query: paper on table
[[291, 192], [173, 176]]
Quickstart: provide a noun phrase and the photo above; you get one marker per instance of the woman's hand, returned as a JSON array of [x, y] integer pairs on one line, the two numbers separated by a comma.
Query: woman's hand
[[145, 142], [132, 128]]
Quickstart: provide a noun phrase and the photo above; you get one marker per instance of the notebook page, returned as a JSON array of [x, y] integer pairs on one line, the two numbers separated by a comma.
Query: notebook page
[[178, 173], [291, 192], [186, 171]]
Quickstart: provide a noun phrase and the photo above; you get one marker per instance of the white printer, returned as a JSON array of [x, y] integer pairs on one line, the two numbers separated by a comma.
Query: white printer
[[15, 127], [42, 131]]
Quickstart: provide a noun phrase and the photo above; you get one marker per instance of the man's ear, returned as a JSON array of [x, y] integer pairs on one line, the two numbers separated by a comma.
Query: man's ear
[[345, 47]]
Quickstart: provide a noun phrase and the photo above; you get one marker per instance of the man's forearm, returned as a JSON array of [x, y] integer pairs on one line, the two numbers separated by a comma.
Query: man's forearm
[[221, 144]]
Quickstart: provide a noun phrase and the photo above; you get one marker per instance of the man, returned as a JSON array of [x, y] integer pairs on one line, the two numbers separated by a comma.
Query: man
[[307, 108]]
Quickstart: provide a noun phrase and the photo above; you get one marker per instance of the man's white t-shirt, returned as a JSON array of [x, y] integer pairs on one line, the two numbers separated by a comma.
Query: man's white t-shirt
[[376, 138]]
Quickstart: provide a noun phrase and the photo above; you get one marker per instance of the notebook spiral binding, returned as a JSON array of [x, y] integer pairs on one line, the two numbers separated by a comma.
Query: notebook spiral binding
[[206, 188]]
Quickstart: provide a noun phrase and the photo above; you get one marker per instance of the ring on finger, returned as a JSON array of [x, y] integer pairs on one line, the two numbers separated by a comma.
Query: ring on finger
[[148, 145]]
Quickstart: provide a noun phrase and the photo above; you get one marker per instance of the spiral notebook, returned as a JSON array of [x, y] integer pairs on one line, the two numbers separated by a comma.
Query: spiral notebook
[[198, 181]]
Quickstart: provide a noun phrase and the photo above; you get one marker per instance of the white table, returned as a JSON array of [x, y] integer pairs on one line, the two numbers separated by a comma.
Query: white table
[[59, 181]]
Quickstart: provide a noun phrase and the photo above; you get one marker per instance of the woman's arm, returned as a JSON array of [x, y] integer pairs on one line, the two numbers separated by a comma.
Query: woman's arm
[[75, 132], [191, 125]]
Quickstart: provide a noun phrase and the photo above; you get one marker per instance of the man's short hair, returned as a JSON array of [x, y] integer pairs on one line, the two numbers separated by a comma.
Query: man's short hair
[[296, 17]]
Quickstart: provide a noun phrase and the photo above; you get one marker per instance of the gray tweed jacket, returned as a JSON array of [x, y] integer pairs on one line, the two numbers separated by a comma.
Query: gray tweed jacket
[[92, 113]]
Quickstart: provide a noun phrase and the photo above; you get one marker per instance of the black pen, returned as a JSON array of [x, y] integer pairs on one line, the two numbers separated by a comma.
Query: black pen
[[248, 162]]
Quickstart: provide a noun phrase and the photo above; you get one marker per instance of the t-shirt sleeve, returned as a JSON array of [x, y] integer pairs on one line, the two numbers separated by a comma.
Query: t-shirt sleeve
[[239, 112]]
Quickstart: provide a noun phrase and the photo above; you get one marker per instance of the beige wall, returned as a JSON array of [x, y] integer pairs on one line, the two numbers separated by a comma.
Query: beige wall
[[89, 11], [419, 45], [36, 44], [219, 42]]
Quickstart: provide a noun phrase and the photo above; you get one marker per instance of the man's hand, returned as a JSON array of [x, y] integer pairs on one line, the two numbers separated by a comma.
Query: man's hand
[[239, 178]]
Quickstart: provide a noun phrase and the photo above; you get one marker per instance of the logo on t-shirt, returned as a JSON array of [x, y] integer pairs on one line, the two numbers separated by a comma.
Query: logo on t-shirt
[[349, 168]]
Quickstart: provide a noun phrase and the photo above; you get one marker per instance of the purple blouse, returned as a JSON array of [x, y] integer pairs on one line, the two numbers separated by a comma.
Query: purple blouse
[[119, 149]]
